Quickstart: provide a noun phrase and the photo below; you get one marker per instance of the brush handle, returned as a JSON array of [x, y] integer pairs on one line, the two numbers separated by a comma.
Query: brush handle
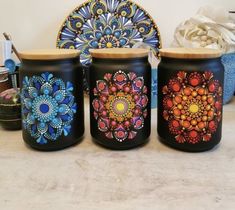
[[7, 37]]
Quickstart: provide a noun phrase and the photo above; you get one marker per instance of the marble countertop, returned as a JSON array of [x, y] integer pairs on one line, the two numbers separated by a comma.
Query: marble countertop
[[89, 177]]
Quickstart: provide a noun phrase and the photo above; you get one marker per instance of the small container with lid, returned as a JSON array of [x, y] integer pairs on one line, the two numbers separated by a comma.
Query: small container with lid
[[4, 79], [190, 100], [120, 97], [52, 98], [10, 109]]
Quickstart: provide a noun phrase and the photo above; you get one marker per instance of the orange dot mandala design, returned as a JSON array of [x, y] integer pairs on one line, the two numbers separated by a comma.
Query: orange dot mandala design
[[192, 105]]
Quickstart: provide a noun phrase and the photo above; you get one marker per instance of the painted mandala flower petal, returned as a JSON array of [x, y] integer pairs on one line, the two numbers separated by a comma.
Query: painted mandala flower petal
[[207, 137], [63, 109], [69, 86], [180, 139], [108, 76], [30, 119], [66, 130], [28, 103], [56, 122], [96, 105], [143, 101], [132, 75], [46, 89], [138, 84], [34, 131], [98, 7], [74, 108], [139, 16], [47, 76], [144, 28], [102, 87], [117, 33], [138, 122], [75, 23], [108, 30], [123, 41], [26, 81], [93, 44], [42, 128], [109, 135], [98, 35], [120, 78], [59, 95], [41, 140], [103, 125], [37, 85], [33, 92], [120, 133], [126, 9], [132, 134]]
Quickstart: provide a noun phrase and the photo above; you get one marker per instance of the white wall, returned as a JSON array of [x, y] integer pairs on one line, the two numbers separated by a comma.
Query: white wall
[[35, 23]]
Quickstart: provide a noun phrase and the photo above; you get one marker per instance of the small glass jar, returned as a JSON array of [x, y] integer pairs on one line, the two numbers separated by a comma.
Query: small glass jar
[[52, 98], [190, 98], [120, 97]]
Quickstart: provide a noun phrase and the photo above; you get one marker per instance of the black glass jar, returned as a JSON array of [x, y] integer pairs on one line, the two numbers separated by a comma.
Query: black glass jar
[[51, 84], [190, 100], [120, 97]]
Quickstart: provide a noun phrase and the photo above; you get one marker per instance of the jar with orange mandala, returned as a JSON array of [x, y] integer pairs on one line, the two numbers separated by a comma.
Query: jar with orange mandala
[[190, 99]]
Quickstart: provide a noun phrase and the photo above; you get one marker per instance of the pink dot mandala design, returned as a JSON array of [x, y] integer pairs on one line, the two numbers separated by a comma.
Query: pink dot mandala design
[[120, 105], [192, 105]]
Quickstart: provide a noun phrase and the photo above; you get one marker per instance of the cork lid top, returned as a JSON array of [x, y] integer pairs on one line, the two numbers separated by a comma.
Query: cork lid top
[[190, 53], [119, 53], [49, 54]]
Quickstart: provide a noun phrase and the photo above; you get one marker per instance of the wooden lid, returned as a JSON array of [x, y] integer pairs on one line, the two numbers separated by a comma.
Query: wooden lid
[[119, 53], [49, 54], [190, 53]]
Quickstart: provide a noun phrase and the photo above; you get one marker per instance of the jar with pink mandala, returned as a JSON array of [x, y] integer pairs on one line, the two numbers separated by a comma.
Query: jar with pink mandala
[[120, 97], [190, 100]]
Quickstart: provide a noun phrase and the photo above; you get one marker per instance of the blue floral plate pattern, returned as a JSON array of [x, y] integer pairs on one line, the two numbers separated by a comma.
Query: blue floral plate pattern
[[107, 24]]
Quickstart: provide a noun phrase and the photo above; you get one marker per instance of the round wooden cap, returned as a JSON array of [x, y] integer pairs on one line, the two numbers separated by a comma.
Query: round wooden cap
[[49, 54], [119, 53], [190, 53]]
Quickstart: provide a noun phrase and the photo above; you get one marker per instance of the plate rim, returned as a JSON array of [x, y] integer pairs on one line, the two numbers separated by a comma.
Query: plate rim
[[157, 54]]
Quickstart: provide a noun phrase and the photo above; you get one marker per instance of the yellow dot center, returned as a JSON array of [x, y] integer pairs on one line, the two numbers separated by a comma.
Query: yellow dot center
[[123, 13], [120, 106], [99, 11], [109, 45], [194, 108]]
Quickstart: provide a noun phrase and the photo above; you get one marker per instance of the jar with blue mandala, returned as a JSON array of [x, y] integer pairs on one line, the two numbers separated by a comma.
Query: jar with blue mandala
[[120, 97], [52, 99]]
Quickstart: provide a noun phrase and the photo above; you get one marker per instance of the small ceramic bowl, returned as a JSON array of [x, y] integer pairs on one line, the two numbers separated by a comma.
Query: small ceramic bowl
[[10, 109], [228, 61]]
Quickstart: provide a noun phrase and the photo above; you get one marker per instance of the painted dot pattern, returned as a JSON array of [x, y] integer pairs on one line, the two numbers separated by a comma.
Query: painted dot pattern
[[192, 106]]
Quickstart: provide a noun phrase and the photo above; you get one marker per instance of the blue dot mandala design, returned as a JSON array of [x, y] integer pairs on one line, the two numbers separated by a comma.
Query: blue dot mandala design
[[48, 107], [108, 24]]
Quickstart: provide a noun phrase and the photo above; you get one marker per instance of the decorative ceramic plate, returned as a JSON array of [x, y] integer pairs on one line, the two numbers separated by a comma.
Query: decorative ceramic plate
[[107, 24]]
